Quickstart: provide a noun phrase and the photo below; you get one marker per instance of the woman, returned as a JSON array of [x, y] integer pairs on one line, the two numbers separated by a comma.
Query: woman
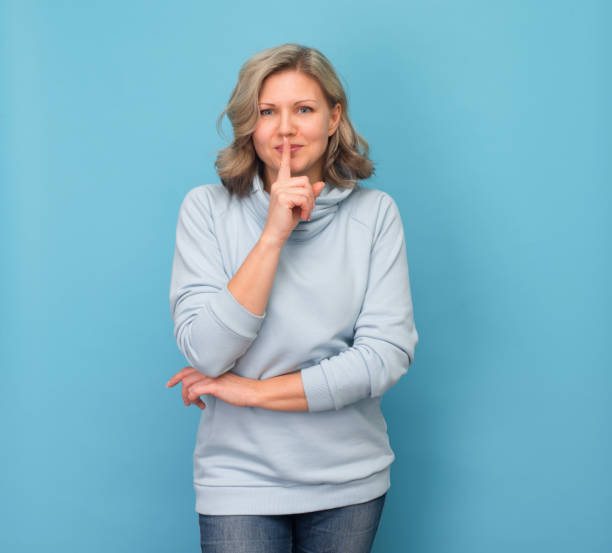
[[291, 300]]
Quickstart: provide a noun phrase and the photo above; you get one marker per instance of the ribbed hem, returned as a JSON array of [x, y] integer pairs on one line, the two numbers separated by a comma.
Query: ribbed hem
[[285, 500], [235, 316], [316, 389]]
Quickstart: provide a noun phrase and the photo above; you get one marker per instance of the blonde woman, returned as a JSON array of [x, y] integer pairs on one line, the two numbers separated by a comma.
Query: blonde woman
[[291, 301]]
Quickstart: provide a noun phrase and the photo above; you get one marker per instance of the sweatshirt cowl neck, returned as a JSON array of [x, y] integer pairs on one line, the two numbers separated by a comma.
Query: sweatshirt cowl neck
[[326, 205]]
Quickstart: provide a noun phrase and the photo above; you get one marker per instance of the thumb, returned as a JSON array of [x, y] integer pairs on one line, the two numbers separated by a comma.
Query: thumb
[[317, 187]]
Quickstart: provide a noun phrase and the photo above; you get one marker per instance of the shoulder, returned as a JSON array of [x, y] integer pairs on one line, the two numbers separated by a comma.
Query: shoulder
[[208, 199], [371, 206]]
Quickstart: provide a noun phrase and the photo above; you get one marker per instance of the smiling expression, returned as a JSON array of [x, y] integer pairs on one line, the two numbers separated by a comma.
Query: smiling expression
[[292, 104]]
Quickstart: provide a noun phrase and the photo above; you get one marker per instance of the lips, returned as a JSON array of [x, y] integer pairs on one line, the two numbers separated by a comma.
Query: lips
[[294, 148]]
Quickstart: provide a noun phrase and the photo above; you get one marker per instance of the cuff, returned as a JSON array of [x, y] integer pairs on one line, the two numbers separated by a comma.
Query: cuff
[[235, 316], [316, 389]]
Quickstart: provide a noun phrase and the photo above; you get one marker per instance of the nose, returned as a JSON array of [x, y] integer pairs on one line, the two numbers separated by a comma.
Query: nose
[[286, 125]]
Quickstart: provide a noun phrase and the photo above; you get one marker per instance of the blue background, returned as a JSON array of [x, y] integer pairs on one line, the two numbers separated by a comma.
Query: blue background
[[489, 123]]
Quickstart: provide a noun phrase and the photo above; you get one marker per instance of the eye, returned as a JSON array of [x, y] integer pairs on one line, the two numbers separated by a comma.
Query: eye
[[263, 111]]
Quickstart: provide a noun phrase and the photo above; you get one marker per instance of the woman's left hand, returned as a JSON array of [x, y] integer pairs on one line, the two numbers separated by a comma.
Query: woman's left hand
[[231, 388]]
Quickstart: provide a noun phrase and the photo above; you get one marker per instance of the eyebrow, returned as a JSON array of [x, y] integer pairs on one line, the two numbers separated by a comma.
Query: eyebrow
[[298, 102]]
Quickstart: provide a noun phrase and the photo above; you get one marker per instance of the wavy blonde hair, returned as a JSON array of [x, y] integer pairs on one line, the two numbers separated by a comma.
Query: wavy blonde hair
[[344, 163]]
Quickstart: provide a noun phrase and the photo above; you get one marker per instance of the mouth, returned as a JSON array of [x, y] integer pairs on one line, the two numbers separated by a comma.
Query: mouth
[[294, 148]]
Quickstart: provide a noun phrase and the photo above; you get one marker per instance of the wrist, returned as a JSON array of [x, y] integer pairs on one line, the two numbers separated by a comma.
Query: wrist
[[257, 394], [267, 240]]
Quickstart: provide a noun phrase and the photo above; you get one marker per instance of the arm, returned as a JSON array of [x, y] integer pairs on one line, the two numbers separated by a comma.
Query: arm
[[212, 326], [385, 334], [280, 393]]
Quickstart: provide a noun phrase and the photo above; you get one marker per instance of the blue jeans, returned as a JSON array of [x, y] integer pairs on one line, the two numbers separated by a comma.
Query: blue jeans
[[349, 529]]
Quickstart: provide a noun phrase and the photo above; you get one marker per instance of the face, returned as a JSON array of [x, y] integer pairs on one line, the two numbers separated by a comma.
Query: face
[[292, 104]]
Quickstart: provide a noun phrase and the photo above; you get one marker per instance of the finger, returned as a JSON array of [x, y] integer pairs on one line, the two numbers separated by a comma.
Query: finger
[[316, 190], [179, 376], [195, 401], [298, 199], [317, 187], [189, 380], [284, 172], [196, 390]]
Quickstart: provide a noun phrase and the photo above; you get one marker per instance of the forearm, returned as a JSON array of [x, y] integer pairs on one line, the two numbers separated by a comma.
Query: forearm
[[251, 286], [281, 393], [252, 283]]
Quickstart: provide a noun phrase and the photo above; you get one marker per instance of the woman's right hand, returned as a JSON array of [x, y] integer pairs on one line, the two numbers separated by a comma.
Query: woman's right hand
[[291, 198]]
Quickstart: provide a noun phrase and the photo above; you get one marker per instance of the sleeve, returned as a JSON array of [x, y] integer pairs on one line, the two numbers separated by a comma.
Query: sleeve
[[212, 329], [385, 334]]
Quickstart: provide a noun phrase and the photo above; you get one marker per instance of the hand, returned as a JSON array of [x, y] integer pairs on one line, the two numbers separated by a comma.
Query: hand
[[180, 376], [229, 387], [290, 199]]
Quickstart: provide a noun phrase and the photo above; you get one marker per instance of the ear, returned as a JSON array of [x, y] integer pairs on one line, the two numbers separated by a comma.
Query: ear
[[334, 119]]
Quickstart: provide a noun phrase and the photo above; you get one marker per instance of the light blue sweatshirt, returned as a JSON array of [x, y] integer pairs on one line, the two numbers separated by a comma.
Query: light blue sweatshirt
[[340, 312]]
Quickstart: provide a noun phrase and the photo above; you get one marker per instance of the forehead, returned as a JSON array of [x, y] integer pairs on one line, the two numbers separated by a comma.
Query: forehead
[[287, 85]]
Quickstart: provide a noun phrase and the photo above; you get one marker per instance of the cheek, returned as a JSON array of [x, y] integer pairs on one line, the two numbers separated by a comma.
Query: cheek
[[259, 141], [262, 136], [316, 130]]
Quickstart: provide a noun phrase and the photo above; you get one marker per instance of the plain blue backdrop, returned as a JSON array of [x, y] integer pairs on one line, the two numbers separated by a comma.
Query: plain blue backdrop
[[489, 123]]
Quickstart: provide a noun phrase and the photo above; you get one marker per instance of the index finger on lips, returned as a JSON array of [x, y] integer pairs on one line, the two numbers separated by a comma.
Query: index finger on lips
[[284, 172]]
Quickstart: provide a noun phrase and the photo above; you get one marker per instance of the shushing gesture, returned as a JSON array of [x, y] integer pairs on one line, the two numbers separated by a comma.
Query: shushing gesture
[[291, 198]]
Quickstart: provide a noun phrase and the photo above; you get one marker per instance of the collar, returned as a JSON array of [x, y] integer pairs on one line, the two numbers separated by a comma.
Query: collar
[[326, 205]]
